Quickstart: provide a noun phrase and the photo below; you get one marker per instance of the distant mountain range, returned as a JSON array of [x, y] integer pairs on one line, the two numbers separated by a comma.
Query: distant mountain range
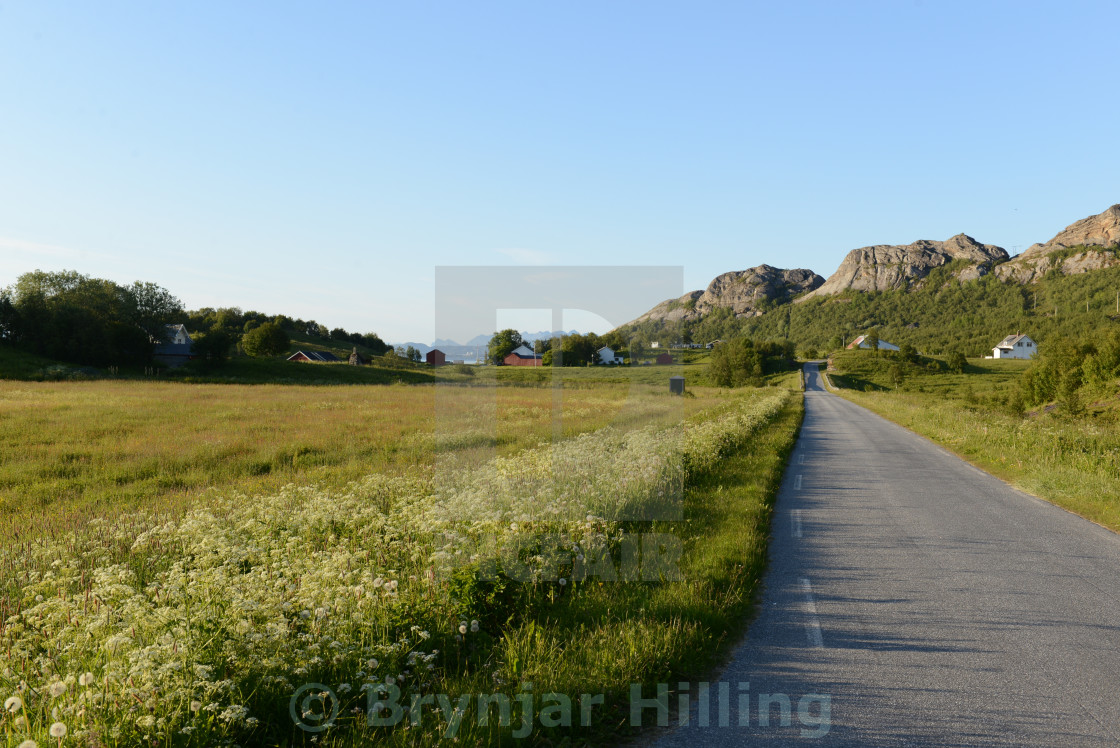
[[454, 349], [1080, 248]]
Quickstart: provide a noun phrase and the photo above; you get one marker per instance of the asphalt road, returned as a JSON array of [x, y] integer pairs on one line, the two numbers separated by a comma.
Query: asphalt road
[[918, 601]]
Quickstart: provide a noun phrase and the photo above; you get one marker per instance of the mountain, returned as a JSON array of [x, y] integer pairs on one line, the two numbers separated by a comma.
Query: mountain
[[889, 267], [746, 293], [1071, 251]]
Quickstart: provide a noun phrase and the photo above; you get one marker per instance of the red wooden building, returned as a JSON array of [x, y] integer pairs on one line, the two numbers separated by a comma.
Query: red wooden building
[[436, 357], [664, 358], [522, 356]]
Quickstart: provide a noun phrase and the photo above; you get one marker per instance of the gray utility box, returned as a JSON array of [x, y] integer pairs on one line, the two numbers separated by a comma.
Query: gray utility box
[[676, 385]]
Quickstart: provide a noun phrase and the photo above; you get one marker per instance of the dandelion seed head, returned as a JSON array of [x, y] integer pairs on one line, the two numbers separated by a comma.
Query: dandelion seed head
[[58, 730]]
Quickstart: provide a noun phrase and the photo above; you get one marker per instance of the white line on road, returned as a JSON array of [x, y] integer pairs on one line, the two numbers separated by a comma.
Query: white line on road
[[797, 483], [801, 459], [795, 518], [812, 625]]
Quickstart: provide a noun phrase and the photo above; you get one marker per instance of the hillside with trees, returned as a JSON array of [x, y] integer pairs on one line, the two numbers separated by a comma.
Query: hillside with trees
[[73, 318]]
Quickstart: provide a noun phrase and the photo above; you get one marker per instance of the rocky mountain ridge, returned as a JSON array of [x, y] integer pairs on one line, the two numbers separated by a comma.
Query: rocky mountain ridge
[[881, 267], [889, 267], [747, 293]]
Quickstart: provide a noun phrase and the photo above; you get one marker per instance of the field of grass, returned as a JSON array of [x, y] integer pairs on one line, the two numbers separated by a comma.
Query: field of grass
[[73, 450], [1072, 462], [192, 620]]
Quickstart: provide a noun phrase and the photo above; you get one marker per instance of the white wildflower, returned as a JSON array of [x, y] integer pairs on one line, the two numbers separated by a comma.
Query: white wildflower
[[85, 679], [58, 730], [13, 704], [56, 689]]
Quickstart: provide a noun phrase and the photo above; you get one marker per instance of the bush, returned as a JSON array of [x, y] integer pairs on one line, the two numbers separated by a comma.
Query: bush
[[267, 340]]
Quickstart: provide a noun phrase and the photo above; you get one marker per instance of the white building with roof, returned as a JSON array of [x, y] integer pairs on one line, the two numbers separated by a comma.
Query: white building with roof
[[861, 342], [1015, 346], [607, 355]]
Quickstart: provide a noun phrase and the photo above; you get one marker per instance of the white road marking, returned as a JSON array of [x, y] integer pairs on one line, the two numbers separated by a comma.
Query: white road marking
[[801, 459], [795, 518], [812, 625], [797, 483]]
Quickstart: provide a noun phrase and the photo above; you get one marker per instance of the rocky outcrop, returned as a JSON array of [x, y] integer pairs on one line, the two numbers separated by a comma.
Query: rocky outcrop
[[1071, 252], [888, 267], [745, 292]]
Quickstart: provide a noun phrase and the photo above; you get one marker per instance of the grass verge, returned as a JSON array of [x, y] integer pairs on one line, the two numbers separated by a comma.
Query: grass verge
[[1070, 462]]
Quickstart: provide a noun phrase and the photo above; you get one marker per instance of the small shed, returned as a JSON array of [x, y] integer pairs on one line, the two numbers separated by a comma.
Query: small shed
[[676, 385], [664, 358], [435, 357]]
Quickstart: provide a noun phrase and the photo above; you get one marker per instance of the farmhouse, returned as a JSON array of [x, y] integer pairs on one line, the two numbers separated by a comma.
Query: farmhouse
[[314, 357], [175, 349], [522, 356], [664, 358], [1015, 346], [608, 356], [435, 357], [861, 342]]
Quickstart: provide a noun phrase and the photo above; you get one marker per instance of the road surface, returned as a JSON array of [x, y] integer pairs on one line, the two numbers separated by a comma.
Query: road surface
[[913, 599]]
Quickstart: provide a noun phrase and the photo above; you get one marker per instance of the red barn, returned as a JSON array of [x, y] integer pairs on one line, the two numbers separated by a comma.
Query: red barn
[[436, 357], [664, 358], [522, 356]]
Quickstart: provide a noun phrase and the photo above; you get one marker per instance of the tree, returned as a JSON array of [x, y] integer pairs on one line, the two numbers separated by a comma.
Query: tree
[[957, 362], [872, 340], [212, 346], [896, 374], [735, 363], [502, 344], [376, 345], [908, 353], [412, 354], [267, 340], [152, 308]]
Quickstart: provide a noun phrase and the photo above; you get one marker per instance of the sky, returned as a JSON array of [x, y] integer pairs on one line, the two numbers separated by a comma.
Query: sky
[[322, 160]]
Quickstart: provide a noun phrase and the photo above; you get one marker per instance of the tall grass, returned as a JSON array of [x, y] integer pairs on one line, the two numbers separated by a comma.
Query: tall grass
[[71, 451], [1072, 462], [195, 629]]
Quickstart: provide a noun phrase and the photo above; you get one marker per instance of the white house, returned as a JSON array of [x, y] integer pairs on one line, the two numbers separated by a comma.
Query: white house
[[1015, 346], [175, 348], [861, 342], [608, 356]]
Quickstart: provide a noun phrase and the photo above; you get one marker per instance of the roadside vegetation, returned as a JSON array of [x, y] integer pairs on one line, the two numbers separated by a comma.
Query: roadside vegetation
[[1048, 426], [193, 625]]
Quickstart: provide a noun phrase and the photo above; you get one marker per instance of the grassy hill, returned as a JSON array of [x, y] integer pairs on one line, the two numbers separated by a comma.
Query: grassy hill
[[942, 316]]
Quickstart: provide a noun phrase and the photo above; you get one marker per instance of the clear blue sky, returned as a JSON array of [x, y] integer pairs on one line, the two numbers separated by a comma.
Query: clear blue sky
[[321, 159]]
